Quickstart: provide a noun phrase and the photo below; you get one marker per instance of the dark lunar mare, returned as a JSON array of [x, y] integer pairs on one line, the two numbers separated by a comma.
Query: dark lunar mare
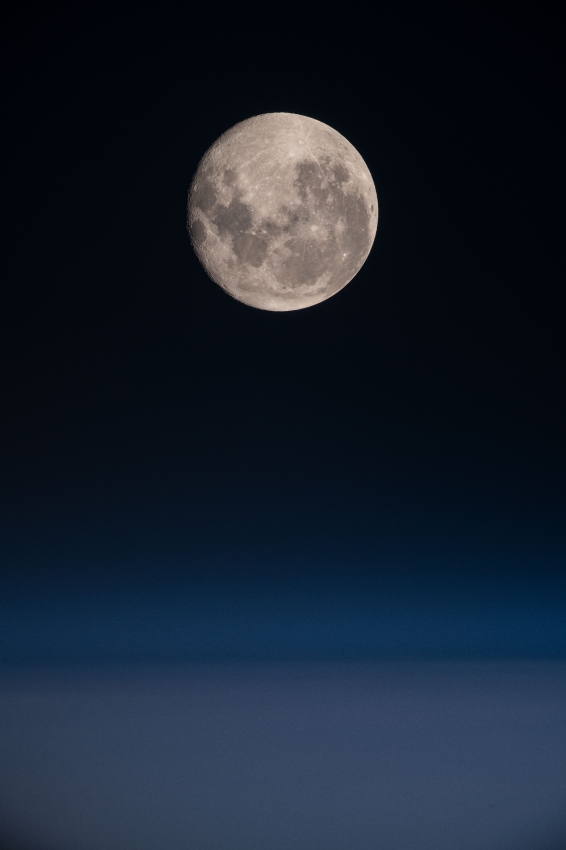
[[326, 203], [282, 212], [234, 221], [341, 218]]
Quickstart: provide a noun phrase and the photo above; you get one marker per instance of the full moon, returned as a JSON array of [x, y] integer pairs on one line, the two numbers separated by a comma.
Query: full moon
[[282, 211]]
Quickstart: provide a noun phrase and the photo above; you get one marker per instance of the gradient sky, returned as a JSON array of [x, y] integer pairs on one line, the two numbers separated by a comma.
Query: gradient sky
[[185, 477], [175, 465], [379, 478]]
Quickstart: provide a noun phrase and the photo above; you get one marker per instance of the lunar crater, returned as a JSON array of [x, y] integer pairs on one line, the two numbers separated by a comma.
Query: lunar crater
[[280, 232]]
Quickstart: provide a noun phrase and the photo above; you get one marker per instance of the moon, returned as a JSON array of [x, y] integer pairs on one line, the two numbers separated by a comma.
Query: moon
[[282, 211]]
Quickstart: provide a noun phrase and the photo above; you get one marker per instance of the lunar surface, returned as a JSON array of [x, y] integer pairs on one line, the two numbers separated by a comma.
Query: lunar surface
[[282, 211]]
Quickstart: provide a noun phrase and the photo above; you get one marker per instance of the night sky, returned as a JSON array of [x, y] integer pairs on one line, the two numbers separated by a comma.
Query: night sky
[[378, 479]]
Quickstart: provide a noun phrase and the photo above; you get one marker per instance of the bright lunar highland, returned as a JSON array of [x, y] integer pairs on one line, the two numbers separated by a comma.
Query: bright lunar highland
[[282, 211]]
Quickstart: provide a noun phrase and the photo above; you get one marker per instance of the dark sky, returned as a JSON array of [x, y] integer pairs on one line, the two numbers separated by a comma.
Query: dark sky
[[381, 475]]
